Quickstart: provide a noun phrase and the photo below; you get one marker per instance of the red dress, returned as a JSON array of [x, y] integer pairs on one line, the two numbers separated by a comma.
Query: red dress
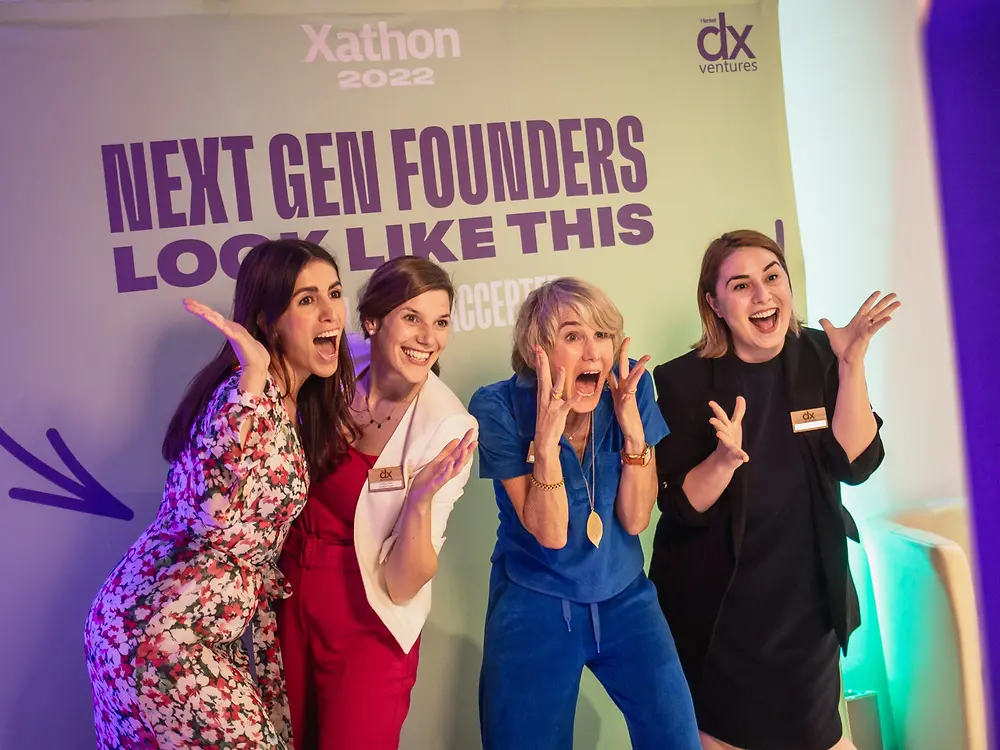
[[347, 678]]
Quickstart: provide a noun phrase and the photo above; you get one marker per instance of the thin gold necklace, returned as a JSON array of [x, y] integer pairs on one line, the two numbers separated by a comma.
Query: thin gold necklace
[[371, 415], [576, 434]]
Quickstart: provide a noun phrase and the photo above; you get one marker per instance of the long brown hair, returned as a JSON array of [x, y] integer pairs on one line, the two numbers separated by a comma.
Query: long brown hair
[[264, 288], [397, 281], [716, 338]]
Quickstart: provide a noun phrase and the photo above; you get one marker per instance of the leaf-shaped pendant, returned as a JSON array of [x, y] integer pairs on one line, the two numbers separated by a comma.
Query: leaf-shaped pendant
[[595, 528]]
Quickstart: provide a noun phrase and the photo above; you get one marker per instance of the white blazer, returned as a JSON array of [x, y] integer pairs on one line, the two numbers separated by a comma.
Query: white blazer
[[433, 419]]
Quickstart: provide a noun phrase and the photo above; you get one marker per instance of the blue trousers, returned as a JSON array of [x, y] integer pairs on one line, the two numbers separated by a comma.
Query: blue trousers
[[534, 652]]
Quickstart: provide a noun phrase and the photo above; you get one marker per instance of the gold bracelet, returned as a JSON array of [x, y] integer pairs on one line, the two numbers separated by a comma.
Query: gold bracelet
[[543, 486]]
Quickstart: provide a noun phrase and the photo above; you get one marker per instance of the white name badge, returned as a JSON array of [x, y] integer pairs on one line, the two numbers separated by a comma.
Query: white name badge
[[809, 419], [384, 478]]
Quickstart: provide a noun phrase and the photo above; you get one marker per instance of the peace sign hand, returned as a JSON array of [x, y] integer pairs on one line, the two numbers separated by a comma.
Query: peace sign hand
[[252, 354], [623, 390], [553, 406], [730, 432], [850, 343]]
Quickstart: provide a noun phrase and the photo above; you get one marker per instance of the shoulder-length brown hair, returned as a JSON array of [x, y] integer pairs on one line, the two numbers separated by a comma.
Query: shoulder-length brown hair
[[716, 338], [396, 281]]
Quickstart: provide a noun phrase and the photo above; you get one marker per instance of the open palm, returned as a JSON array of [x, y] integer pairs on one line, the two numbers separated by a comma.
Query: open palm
[[249, 351], [850, 342], [444, 467], [623, 390]]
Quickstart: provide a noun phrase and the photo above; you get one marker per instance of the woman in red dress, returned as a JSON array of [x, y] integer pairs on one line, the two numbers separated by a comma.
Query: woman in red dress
[[361, 557]]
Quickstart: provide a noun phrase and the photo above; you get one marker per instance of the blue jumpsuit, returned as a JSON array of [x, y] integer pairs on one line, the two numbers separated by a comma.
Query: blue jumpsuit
[[553, 612]]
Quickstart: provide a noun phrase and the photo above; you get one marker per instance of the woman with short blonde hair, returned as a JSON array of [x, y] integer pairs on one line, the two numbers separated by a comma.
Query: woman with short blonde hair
[[568, 442], [538, 318]]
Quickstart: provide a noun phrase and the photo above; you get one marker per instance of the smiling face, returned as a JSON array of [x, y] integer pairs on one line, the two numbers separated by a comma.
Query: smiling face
[[753, 296], [586, 354], [310, 329], [411, 337]]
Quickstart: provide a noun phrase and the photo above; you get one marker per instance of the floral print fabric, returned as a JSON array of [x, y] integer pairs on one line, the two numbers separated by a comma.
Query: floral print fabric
[[163, 636]]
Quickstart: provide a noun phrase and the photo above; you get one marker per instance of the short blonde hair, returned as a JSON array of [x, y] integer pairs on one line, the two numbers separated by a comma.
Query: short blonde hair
[[538, 319], [715, 335]]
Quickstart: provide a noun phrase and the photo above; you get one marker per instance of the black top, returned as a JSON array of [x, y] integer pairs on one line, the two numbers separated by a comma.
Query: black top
[[776, 597], [697, 555], [770, 677]]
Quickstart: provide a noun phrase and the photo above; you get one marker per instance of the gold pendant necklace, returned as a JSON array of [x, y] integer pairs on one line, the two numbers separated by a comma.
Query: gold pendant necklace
[[595, 527]]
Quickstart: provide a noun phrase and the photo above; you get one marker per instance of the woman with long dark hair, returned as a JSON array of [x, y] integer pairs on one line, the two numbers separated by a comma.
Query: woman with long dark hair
[[767, 419], [265, 417], [361, 556]]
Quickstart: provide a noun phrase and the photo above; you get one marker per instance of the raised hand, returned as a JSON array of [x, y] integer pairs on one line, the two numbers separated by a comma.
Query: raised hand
[[623, 390], [850, 343], [252, 354], [553, 406], [729, 431], [444, 467]]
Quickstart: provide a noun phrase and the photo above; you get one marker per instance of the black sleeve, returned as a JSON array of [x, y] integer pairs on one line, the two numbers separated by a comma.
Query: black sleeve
[[856, 471], [849, 472], [682, 450]]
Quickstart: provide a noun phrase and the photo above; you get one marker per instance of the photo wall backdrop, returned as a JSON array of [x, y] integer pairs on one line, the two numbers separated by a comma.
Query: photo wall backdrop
[[142, 157]]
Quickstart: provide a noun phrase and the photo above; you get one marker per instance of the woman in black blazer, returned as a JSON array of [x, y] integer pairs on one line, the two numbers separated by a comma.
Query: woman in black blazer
[[766, 419]]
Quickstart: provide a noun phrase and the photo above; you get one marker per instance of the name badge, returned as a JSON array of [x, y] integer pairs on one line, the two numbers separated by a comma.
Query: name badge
[[384, 478], [809, 419]]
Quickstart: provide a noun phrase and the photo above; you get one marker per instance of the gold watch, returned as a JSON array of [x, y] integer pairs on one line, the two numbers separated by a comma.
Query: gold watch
[[638, 459]]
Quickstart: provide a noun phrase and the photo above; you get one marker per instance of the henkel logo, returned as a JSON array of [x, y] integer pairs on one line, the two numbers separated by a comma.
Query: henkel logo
[[721, 44]]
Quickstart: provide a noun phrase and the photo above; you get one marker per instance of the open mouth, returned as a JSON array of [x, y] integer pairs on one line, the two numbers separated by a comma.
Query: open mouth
[[586, 383], [326, 344], [416, 356], [766, 321]]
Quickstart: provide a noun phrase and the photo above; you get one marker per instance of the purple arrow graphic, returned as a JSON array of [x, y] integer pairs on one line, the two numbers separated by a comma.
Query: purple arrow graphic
[[88, 495]]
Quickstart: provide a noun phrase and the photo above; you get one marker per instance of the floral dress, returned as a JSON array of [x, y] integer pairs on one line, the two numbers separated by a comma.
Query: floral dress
[[163, 636]]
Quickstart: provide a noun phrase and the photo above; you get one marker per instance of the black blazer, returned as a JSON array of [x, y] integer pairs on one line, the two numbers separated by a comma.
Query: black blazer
[[695, 554]]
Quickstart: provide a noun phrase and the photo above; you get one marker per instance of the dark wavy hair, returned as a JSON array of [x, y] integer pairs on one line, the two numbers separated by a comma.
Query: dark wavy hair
[[264, 288]]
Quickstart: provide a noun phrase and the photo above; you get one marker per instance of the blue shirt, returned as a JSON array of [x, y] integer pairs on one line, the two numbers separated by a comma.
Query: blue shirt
[[579, 572]]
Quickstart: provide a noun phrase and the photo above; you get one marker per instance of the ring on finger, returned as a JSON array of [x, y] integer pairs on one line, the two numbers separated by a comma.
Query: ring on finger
[[557, 395]]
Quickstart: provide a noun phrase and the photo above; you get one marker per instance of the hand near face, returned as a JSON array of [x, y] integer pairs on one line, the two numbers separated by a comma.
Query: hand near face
[[553, 406], [252, 354], [850, 343], [623, 389]]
